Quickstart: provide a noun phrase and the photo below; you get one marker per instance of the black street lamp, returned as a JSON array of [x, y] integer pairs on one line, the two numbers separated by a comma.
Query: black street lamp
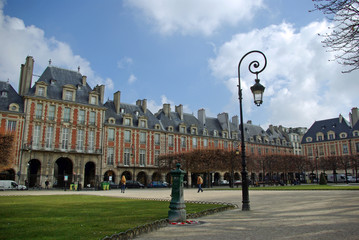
[[257, 90]]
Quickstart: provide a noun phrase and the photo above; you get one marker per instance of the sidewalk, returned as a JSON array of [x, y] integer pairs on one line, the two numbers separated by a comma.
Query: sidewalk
[[273, 215]]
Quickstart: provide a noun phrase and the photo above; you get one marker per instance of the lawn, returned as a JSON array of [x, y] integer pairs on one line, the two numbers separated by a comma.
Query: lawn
[[78, 217]]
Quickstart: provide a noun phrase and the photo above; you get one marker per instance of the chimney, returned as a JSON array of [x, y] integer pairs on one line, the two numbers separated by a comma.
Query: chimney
[[249, 122], [26, 76], [202, 116], [117, 101], [84, 80], [142, 104], [167, 109], [179, 110], [235, 121], [354, 116], [340, 118]]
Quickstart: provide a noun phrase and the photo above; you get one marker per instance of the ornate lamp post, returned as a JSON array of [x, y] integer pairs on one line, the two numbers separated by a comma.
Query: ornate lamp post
[[257, 90]]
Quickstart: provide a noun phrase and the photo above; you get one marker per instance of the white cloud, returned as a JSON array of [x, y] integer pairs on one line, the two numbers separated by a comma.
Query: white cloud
[[154, 107], [124, 62], [131, 79], [301, 84], [192, 17], [22, 41]]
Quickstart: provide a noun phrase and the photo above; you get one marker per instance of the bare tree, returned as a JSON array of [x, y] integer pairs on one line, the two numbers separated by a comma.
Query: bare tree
[[344, 36]]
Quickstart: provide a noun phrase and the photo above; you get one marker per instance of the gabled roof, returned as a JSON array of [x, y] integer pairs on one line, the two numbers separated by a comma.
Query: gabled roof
[[8, 95], [56, 78], [336, 125], [134, 110]]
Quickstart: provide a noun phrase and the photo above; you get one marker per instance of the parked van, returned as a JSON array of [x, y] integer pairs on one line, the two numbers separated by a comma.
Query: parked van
[[11, 185]]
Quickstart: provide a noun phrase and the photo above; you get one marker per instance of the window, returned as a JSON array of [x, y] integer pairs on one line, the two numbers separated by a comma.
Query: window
[[80, 140], [126, 157], [65, 139], [11, 126], [331, 136], [41, 91], [205, 142], [38, 113], [67, 113], [356, 134], [36, 137], [69, 95], [81, 117], [170, 140], [225, 135], [215, 133], [157, 138], [91, 141], [216, 143], [225, 144], [332, 149], [142, 137], [127, 136], [321, 151], [110, 154], [319, 138], [4, 94], [183, 142], [51, 114], [111, 134], [127, 121], [92, 118], [345, 148], [205, 132], [157, 154], [182, 129], [193, 131], [93, 100], [142, 123], [194, 142], [142, 157], [357, 146], [49, 136]]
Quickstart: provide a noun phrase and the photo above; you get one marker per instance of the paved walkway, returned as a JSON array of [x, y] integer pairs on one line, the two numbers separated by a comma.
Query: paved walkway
[[274, 214]]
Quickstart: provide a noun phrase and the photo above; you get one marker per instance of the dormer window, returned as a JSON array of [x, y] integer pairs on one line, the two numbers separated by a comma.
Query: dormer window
[[182, 129], [308, 139], [69, 95], [142, 124], [127, 121], [111, 120], [194, 131], [170, 128], [343, 135], [225, 135], [205, 132], [93, 100], [4, 94], [14, 107], [215, 133]]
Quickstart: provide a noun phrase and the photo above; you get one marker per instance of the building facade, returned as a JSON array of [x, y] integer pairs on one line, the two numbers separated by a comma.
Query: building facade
[[66, 132]]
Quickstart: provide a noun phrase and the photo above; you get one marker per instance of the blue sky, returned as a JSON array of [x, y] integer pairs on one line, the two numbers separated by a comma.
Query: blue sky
[[186, 52]]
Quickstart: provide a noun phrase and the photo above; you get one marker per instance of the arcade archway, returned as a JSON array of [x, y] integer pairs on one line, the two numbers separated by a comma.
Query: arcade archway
[[63, 172], [33, 173], [90, 174], [142, 178]]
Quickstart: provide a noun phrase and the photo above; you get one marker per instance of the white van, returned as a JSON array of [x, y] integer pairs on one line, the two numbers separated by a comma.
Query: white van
[[11, 185]]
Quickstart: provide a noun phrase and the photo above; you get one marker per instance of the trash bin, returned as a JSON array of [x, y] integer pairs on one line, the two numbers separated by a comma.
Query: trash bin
[[71, 186], [75, 187], [107, 186]]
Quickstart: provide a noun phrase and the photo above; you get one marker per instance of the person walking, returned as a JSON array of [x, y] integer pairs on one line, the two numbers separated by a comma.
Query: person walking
[[123, 184], [199, 184]]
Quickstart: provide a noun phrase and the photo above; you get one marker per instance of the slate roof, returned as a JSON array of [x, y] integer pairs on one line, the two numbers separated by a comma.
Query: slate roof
[[129, 109], [8, 95], [56, 78], [324, 126]]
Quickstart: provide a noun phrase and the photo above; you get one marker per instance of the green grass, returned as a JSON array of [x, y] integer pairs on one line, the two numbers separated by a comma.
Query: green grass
[[298, 187], [78, 217]]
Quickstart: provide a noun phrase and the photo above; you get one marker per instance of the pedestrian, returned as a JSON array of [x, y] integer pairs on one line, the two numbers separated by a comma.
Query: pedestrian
[[123, 184], [47, 184], [199, 183]]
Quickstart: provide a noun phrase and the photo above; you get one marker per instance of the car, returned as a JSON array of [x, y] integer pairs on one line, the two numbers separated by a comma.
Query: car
[[157, 184], [134, 184], [114, 185], [223, 182]]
